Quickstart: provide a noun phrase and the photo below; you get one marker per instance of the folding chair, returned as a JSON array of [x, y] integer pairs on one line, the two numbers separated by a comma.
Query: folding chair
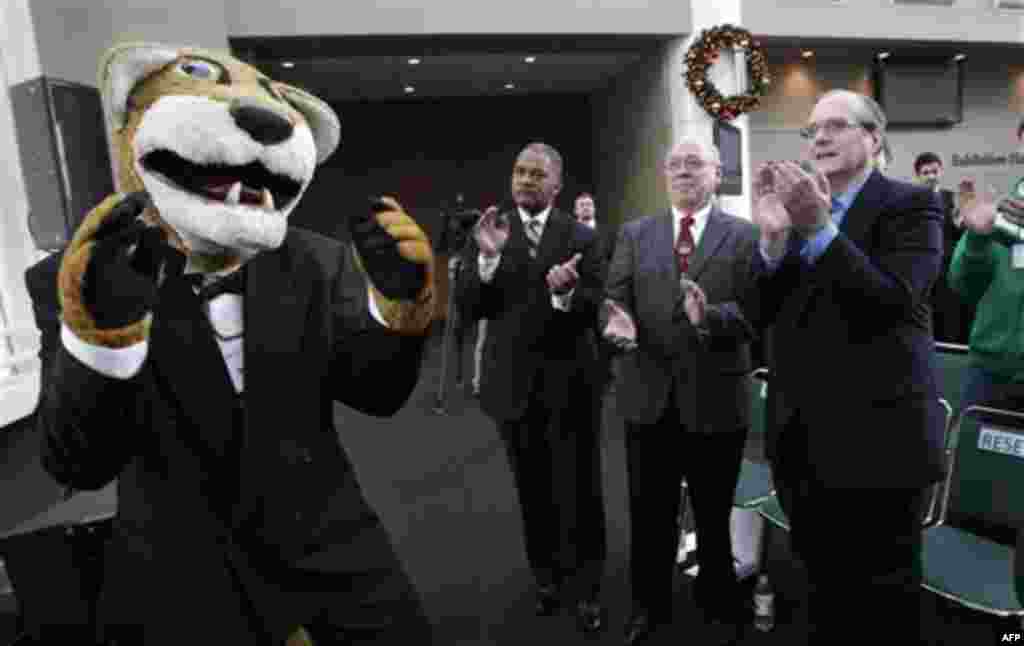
[[755, 482], [951, 360], [984, 479]]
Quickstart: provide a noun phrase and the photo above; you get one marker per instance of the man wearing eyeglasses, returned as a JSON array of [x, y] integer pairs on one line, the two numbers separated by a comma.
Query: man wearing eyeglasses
[[673, 286], [847, 259]]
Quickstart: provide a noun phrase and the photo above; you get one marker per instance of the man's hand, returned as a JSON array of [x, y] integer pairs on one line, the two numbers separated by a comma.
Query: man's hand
[[491, 233], [1012, 209], [977, 208], [109, 274], [563, 278], [620, 330], [395, 254], [805, 193], [768, 213], [695, 302]]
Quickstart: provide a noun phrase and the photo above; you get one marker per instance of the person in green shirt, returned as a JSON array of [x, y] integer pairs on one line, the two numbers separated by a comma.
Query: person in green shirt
[[987, 271]]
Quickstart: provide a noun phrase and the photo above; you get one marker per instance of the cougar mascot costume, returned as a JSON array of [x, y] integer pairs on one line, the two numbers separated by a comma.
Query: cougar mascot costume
[[240, 519]]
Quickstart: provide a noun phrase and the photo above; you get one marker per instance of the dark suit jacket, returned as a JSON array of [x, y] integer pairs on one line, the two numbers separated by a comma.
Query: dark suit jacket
[[202, 510], [852, 349], [707, 378], [41, 283], [526, 336]]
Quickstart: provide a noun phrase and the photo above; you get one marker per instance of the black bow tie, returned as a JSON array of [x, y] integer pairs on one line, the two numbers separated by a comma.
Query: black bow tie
[[233, 283]]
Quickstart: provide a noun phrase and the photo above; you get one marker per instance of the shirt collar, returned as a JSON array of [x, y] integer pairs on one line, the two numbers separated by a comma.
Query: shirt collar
[[541, 217], [847, 197], [699, 216]]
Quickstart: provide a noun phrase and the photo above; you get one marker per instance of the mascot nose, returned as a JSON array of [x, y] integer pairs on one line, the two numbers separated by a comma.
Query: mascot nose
[[262, 123]]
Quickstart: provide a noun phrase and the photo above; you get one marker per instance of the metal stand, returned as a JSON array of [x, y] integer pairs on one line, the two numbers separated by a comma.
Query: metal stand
[[449, 332]]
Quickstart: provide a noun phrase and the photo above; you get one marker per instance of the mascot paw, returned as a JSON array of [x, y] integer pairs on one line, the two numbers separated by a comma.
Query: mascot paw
[[395, 254], [107, 280]]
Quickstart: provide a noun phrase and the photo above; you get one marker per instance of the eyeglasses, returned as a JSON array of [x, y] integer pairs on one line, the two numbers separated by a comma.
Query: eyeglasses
[[692, 164], [831, 127]]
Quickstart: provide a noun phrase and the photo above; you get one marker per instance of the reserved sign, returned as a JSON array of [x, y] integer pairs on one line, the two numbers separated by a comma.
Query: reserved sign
[[999, 441]]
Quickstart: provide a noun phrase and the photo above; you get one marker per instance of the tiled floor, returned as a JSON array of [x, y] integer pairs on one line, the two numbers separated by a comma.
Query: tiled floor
[[447, 497]]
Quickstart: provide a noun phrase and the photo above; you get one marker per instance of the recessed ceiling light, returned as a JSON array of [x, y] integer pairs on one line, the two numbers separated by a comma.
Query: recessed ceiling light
[[510, 86], [959, 57], [287, 64], [883, 55], [409, 89], [530, 59], [414, 61], [807, 53]]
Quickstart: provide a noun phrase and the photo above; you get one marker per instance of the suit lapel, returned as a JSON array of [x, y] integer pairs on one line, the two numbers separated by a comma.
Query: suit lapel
[[553, 239], [183, 351], [715, 232], [662, 249], [860, 217], [277, 297], [856, 226]]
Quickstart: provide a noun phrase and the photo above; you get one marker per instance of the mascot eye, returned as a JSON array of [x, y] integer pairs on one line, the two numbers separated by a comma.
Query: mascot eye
[[200, 69]]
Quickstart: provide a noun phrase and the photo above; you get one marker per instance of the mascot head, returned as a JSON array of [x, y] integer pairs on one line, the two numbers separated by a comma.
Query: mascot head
[[224, 151]]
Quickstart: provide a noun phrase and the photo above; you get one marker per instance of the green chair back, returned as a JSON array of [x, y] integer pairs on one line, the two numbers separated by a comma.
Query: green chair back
[[987, 472]]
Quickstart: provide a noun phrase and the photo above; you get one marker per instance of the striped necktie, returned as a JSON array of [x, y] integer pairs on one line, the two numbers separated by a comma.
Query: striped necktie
[[533, 235]]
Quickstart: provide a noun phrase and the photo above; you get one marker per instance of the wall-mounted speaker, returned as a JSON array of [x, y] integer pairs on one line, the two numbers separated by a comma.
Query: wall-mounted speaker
[[65, 158]]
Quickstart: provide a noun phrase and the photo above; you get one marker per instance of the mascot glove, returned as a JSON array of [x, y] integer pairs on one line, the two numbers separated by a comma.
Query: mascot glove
[[395, 254], [108, 277]]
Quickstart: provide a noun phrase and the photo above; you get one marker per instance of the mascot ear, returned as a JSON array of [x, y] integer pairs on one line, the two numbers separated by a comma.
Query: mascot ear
[[122, 67], [322, 119]]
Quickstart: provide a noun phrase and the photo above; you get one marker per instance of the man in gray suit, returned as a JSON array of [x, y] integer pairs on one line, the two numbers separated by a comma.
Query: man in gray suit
[[672, 290]]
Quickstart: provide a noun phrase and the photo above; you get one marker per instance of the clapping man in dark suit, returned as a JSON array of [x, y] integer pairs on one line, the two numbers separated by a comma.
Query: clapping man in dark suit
[[847, 258], [673, 286], [536, 277]]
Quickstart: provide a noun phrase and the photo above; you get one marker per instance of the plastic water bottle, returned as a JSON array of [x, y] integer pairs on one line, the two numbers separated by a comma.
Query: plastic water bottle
[[764, 605]]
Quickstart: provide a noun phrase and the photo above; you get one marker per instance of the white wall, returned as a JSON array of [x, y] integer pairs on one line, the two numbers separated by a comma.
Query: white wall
[[993, 102], [969, 20], [71, 35], [632, 130], [380, 17], [19, 388]]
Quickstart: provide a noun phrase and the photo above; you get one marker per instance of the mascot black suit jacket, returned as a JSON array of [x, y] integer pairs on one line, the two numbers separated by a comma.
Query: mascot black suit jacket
[[220, 503], [309, 342]]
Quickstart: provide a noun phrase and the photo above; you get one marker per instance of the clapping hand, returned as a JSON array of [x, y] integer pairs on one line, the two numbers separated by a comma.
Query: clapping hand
[[805, 193], [620, 330], [1012, 209], [562, 278], [768, 213], [977, 208], [695, 301], [491, 233]]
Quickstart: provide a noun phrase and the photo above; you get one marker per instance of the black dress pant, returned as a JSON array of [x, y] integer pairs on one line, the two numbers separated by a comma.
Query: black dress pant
[[861, 548], [555, 458], [658, 457]]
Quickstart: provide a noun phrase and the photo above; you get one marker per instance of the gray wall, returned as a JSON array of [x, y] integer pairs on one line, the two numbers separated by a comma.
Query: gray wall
[[969, 20], [993, 99], [72, 35], [632, 129], [299, 17]]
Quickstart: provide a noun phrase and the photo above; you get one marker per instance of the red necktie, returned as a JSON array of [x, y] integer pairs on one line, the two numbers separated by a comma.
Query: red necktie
[[684, 243]]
